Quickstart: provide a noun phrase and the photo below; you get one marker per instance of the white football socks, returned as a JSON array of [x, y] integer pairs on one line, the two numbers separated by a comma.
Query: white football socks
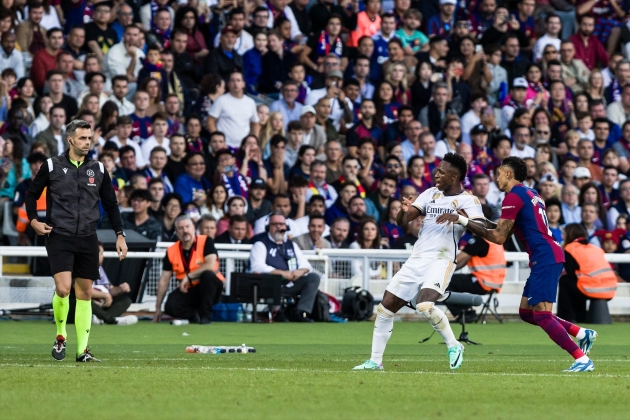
[[383, 326], [440, 323]]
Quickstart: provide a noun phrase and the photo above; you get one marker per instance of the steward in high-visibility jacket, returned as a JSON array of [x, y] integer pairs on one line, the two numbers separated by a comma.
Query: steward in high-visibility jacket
[[22, 222], [194, 262], [489, 270], [595, 278]]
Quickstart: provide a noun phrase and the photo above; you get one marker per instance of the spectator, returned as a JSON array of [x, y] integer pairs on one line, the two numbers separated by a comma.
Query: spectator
[[589, 221], [377, 202], [340, 207], [155, 169], [224, 60], [10, 57], [277, 168], [249, 159], [613, 92], [277, 62], [323, 42], [124, 129], [207, 225], [54, 80], [368, 237], [305, 156], [124, 58], [339, 230], [589, 193], [434, 114], [551, 37], [187, 23], [416, 173], [252, 63], [31, 36], [236, 233], [369, 170], [574, 72], [156, 188], [234, 113], [258, 205], [314, 135], [367, 126], [42, 107], [585, 154], [287, 105], [334, 155], [339, 105], [200, 284], [235, 205], [570, 209], [46, 58], [521, 138], [229, 176], [99, 34], [610, 194], [452, 134], [124, 18], [54, 136], [159, 128], [141, 121], [175, 163], [622, 206], [95, 82], [215, 202], [148, 13], [618, 112], [350, 172], [160, 33], [314, 240], [588, 47], [192, 185], [110, 302]]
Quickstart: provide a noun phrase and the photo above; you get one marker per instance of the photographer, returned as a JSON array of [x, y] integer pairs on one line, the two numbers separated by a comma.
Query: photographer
[[274, 253]]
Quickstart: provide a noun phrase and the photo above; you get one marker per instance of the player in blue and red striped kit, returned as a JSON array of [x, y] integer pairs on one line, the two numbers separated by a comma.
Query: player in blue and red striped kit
[[523, 211]]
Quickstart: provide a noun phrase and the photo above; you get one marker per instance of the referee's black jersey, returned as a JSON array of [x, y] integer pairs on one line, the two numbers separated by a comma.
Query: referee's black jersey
[[73, 196]]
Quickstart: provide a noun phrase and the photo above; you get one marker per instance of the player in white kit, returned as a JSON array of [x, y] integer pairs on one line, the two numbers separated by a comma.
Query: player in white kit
[[428, 271]]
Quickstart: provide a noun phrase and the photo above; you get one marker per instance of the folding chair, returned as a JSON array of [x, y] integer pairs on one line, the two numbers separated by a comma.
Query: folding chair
[[490, 305]]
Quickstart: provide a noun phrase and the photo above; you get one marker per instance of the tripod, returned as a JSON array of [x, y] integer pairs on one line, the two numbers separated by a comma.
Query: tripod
[[463, 336]]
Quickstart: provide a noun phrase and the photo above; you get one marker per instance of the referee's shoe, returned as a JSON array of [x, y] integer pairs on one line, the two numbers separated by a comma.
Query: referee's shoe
[[86, 357], [59, 349]]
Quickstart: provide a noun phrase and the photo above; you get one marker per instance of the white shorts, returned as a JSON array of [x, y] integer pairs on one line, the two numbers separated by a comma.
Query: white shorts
[[421, 273]]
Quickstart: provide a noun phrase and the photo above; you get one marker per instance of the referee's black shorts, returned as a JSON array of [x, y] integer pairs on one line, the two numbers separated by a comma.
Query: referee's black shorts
[[77, 254]]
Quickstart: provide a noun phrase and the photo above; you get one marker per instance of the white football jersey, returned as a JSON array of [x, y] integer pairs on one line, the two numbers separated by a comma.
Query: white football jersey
[[441, 240]]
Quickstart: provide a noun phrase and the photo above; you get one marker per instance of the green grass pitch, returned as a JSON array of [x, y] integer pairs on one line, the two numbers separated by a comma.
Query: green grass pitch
[[303, 372]]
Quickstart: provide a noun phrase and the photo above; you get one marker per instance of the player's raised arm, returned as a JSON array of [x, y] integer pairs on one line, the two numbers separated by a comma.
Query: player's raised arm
[[408, 212]]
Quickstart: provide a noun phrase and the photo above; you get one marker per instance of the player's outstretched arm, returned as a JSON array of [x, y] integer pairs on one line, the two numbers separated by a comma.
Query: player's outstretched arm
[[498, 235]]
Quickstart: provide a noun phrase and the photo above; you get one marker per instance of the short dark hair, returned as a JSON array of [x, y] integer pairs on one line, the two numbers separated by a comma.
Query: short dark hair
[[316, 216], [39, 157], [277, 139], [141, 194], [74, 125], [124, 120], [458, 162], [51, 73], [518, 166], [295, 125], [190, 156], [237, 218], [155, 181], [126, 149], [171, 196], [52, 31], [157, 149], [120, 77], [91, 75], [389, 177], [316, 198]]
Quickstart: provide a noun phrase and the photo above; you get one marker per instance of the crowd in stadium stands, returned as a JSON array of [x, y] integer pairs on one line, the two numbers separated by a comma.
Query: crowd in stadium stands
[[228, 110]]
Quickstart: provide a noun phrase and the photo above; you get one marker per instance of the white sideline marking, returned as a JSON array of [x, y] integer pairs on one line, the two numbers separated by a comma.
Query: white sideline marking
[[421, 372]]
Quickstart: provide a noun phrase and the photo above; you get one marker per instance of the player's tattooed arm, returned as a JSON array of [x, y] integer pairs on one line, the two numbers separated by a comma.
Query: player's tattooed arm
[[498, 235]]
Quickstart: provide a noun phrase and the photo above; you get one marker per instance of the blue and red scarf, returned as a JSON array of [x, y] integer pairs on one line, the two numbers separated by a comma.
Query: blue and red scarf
[[325, 46], [164, 36]]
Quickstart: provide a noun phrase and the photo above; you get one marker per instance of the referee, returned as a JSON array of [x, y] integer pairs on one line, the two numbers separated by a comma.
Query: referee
[[75, 185]]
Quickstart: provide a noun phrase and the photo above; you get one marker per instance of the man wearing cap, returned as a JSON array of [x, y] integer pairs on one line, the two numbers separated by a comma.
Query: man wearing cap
[[314, 135], [287, 105], [340, 105], [258, 205], [518, 93], [244, 41], [443, 23], [223, 60], [228, 175], [571, 212]]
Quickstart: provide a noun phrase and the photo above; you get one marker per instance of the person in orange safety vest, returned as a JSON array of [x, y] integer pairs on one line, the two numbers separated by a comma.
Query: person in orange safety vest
[[194, 261], [587, 275]]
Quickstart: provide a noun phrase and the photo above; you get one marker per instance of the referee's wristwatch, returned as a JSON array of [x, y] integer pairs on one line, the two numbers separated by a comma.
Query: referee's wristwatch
[[121, 233]]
